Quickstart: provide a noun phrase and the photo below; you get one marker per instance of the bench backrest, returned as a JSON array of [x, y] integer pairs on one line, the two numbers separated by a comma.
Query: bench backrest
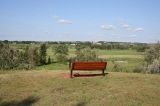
[[88, 65]]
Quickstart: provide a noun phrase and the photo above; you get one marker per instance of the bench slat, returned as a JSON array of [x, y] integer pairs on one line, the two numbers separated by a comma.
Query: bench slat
[[89, 65]]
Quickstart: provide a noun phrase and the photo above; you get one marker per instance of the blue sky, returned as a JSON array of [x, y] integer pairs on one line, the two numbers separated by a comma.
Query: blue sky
[[82, 20]]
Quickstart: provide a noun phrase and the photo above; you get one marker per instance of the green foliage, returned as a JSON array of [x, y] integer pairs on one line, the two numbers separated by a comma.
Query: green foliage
[[31, 56], [11, 58], [49, 60], [86, 54], [152, 53], [141, 48], [152, 57], [154, 67], [80, 46], [117, 67], [138, 69], [43, 54], [8, 57], [61, 52], [36, 56]]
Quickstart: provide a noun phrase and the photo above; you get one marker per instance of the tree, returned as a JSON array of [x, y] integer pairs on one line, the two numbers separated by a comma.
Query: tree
[[141, 47], [43, 54], [12, 58], [36, 56], [49, 60], [80, 46], [152, 57], [87, 54], [9, 57], [61, 52], [152, 53], [29, 58]]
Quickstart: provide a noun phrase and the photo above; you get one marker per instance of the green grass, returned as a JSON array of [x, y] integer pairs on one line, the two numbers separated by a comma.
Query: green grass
[[131, 59], [119, 52], [54, 66], [49, 88]]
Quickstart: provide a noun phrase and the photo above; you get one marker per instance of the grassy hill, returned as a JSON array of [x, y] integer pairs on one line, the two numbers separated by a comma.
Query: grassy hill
[[51, 88]]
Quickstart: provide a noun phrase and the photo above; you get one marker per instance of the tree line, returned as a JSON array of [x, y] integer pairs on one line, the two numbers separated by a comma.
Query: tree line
[[12, 58], [103, 45], [29, 57]]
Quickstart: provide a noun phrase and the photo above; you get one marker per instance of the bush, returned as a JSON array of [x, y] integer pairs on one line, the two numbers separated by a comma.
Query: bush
[[49, 60], [152, 58], [86, 54], [61, 52], [78, 47], [154, 67], [141, 48], [43, 54], [152, 53], [117, 67], [138, 69], [8, 57], [11, 58]]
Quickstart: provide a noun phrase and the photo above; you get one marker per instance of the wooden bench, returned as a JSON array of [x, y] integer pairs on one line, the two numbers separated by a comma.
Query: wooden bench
[[89, 66]]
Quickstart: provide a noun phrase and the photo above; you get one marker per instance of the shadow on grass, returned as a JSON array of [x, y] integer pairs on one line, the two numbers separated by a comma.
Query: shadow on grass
[[25, 102], [81, 104], [88, 75]]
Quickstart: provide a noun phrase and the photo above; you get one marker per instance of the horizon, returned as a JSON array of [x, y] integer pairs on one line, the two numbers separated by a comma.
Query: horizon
[[77, 41], [85, 20]]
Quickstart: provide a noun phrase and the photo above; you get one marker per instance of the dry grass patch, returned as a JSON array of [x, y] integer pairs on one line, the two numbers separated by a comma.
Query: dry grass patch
[[48, 88]]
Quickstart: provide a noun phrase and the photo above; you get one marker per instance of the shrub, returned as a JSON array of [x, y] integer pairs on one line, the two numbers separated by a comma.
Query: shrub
[[152, 58], [8, 57], [141, 48], [80, 46], [28, 58], [49, 60], [61, 52], [152, 53], [138, 69], [11, 58], [117, 67], [43, 54], [86, 54], [154, 67]]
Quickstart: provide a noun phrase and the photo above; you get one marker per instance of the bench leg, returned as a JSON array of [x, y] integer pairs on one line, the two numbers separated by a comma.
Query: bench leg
[[71, 74], [103, 73]]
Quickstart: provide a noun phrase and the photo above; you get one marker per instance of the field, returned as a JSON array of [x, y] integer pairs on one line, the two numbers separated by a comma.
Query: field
[[51, 88], [50, 85], [128, 59]]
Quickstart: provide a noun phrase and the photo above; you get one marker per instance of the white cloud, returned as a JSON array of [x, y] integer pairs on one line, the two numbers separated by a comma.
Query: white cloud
[[131, 28], [64, 21], [107, 27], [138, 29], [126, 26], [133, 36], [56, 17]]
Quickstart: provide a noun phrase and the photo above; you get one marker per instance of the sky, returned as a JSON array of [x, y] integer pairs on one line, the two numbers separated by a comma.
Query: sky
[[80, 20]]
